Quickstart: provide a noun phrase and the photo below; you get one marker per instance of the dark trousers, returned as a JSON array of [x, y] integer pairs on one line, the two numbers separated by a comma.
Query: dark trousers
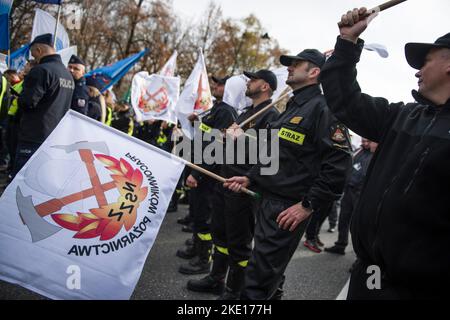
[[200, 203], [333, 216], [348, 204], [232, 224], [317, 220], [272, 252], [24, 152]]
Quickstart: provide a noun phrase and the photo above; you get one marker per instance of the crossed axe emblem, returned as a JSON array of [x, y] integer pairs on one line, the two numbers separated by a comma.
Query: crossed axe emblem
[[33, 216], [162, 101]]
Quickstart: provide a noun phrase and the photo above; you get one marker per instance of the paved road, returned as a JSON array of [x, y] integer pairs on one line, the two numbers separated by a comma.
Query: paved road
[[310, 276]]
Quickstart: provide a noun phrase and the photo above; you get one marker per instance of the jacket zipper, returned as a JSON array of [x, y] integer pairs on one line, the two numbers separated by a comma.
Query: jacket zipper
[[380, 205]]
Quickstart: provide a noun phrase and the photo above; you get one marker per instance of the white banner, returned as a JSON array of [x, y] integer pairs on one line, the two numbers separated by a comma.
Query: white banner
[[282, 75], [45, 23], [80, 218], [155, 96], [196, 96]]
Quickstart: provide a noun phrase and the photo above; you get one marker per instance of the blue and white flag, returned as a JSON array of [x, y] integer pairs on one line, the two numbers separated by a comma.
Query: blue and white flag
[[111, 74], [5, 9], [19, 57], [44, 23]]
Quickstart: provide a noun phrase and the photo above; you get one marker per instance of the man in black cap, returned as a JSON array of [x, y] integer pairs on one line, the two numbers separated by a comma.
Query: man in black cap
[[80, 98], [45, 99], [401, 226], [232, 221], [314, 158], [220, 117]]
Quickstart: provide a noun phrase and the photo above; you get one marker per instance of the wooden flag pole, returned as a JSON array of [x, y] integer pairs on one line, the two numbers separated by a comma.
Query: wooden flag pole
[[379, 8], [283, 95], [56, 26]]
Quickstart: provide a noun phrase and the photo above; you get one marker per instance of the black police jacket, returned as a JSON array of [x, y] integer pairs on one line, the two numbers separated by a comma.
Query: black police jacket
[[94, 108], [80, 98], [314, 152], [261, 122], [220, 117], [402, 222], [45, 99]]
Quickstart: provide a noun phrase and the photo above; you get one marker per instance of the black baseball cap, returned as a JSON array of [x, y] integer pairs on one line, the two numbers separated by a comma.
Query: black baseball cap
[[219, 80], [46, 38], [311, 55], [93, 81], [266, 75], [76, 60], [416, 52]]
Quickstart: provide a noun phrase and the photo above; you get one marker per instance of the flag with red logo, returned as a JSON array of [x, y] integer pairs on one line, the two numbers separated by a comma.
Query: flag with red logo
[[155, 96], [80, 218]]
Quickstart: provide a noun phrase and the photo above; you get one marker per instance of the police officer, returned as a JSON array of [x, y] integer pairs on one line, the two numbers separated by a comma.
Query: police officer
[[361, 161], [45, 99], [80, 98], [314, 158], [220, 117], [402, 223]]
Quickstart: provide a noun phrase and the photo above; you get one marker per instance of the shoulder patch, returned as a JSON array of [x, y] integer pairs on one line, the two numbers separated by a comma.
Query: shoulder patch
[[296, 120], [339, 134]]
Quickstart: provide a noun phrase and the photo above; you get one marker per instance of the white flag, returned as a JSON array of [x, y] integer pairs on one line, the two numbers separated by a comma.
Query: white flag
[[169, 68], [196, 96], [282, 75], [234, 92], [155, 96], [45, 23], [3, 65], [80, 218], [67, 53]]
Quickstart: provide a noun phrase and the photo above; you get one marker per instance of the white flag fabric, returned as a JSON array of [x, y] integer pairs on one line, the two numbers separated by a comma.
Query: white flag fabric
[[45, 23], [67, 53], [3, 65], [378, 48], [282, 75], [234, 92], [169, 68], [155, 96], [196, 96], [80, 218]]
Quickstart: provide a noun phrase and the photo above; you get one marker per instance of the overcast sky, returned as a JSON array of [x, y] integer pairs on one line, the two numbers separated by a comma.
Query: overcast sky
[[301, 24]]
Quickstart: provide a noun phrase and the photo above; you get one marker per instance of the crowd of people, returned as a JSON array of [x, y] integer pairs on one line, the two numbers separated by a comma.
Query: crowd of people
[[391, 192]]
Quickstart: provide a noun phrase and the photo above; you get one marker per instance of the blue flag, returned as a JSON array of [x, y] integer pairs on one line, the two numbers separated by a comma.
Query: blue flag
[[5, 9], [49, 1], [19, 57], [110, 74]]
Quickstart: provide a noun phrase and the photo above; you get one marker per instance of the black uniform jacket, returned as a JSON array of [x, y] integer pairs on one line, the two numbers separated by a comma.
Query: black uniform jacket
[[257, 124], [402, 222], [45, 99], [80, 97], [221, 117], [314, 152]]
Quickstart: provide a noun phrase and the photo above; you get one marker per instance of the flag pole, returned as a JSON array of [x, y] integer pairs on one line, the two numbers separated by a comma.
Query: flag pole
[[56, 26], [284, 94], [379, 8], [9, 36]]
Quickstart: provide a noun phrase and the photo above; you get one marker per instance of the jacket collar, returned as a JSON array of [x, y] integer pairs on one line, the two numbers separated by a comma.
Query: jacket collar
[[424, 101], [52, 57], [305, 94]]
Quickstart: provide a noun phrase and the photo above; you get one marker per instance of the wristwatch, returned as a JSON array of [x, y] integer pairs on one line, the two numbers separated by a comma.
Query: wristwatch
[[306, 204]]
